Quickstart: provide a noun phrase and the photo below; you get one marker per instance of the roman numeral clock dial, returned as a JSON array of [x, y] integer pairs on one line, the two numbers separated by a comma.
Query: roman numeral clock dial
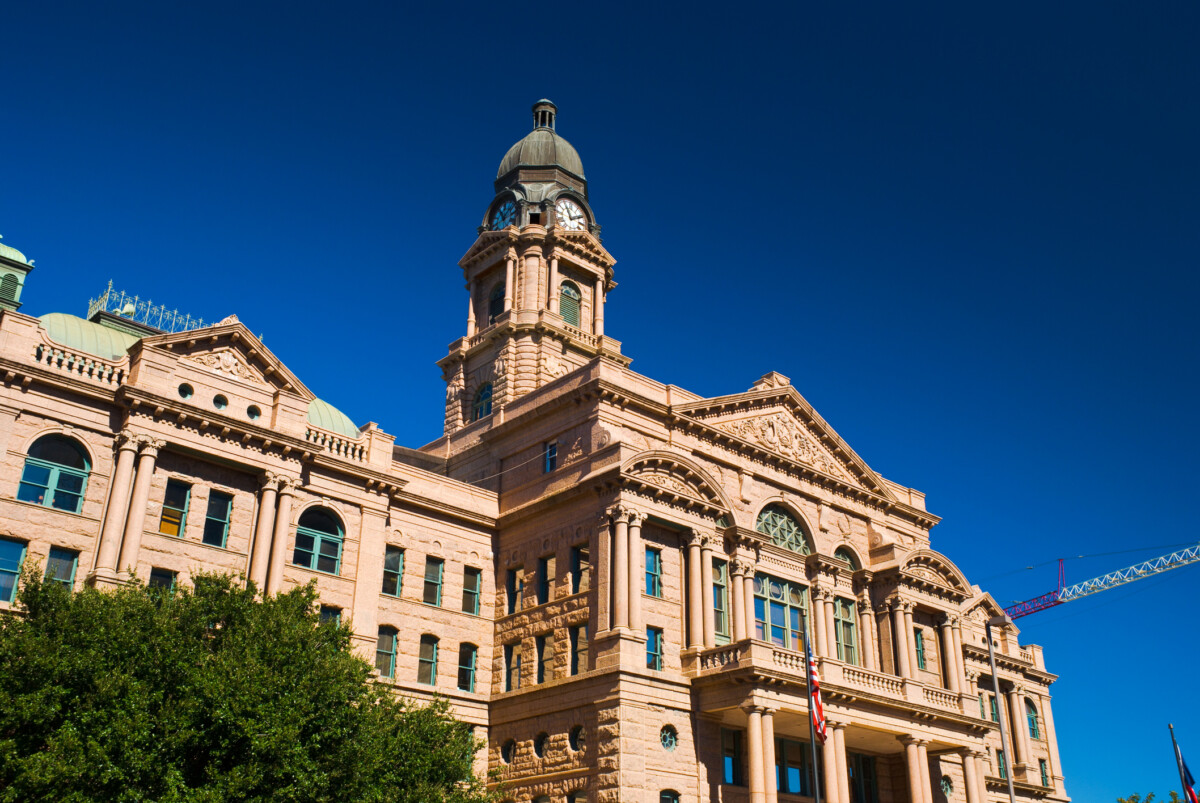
[[569, 215]]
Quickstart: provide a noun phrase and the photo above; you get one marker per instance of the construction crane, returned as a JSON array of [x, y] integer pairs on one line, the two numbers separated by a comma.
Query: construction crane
[[1065, 593]]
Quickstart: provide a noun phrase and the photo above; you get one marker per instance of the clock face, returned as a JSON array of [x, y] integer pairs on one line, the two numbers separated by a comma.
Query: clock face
[[504, 216], [569, 215]]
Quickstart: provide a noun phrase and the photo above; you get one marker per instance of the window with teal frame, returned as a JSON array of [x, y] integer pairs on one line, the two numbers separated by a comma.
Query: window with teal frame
[[653, 572], [569, 302], [995, 708], [844, 630], [427, 660], [393, 570], [482, 406], [793, 767], [919, 643], [467, 655], [12, 555], [654, 648], [1001, 766], [731, 758], [319, 537], [864, 785], [163, 579], [175, 508], [61, 566], [784, 529], [1045, 769], [1031, 720], [434, 567], [385, 652], [472, 583], [56, 473], [779, 609], [668, 796], [216, 519], [720, 587]]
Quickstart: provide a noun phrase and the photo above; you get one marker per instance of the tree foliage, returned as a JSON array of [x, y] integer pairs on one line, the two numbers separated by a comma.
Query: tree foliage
[[208, 694], [1174, 798]]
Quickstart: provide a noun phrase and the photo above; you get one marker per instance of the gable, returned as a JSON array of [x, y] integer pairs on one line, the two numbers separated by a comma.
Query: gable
[[662, 474], [925, 566]]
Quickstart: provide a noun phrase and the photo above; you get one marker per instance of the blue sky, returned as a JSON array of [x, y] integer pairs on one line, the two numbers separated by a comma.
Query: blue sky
[[968, 234]]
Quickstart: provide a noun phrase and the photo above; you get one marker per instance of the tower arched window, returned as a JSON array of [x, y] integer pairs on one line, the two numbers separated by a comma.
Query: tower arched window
[[319, 537], [841, 553], [783, 528], [496, 302], [56, 473], [569, 303], [668, 796], [1031, 720], [482, 406]]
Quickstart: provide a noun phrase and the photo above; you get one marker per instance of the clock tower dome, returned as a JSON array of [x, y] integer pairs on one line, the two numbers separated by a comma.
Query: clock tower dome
[[537, 278]]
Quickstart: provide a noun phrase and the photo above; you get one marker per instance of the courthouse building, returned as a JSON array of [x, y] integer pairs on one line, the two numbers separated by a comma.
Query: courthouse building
[[607, 576]]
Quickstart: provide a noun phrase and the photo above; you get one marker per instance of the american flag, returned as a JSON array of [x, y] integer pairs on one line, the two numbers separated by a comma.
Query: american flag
[[814, 699], [1185, 777]]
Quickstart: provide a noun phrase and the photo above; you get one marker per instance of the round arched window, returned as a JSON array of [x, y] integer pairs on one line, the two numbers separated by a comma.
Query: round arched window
[[577, 739], [844, 554], [507, 751], [668, 737], [539, 744], [55, 475], [783, 528], [319, 537], [482, 406]]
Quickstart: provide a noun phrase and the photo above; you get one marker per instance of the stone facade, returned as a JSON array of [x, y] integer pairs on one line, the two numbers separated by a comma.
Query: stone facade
[[646, 558]]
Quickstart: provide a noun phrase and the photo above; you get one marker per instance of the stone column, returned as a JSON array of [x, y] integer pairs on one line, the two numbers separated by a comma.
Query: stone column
[[970, 775], [368, 580], [695, 593], [981, 761], [1020, 730], [912, 758], [748, 593], [770, 777], [754, 746], [900, 640], [283, 523], [509, 270], [1051, 742], [637, 569], [833, 789], [471, 308], [959, 666], [552, 289], [621, 569], [603, 573], [598, 309], [949, 664], [818, 617], [866, 632], [737, 580], [261, 555], [923, 761], [843, 777], [911, 639], [118, 503], [136, 523], [830, 626], [706, 593]]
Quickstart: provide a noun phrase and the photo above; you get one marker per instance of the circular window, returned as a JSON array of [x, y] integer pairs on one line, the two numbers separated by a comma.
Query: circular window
[[507, 751], [253, 413], [220, 402], [186, 391], [669, 737], [539, 743], [577, 738], [947, 786]]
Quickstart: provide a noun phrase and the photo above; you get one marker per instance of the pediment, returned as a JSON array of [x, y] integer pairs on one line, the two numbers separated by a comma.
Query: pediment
[[931, 568], [983, 608], [232, 351], [779, 420], [662, 473]]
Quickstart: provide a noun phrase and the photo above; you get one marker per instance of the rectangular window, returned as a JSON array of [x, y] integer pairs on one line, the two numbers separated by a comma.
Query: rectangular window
[[653, 572], [216, 519], [467, 653], [779, 608], [61, 566], [919, 641], [720, 586], [995, 708], [1001, 767], [549, 457], [581, 569], [1045, 771], [731, 756], [330, 615], [545, 658], [385, 652], [514, 588], [545, 579], [864, 786], [427, 660], [512, 666], [174, 509], [472, 587], [393, 570], [12, 555], [982, 713], [162, 578], [844, 630], [793, 773], [433, 581], [654, 648], [579, 649]]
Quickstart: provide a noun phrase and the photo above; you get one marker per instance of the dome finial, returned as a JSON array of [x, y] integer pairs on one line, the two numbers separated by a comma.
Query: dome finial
[[544, 112]]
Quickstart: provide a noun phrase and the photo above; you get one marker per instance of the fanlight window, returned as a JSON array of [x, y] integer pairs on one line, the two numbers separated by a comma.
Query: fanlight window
[[569, 301], [841, 553], [482, 406], [319, 537], [55, 475], [783, 528], [496, 303]]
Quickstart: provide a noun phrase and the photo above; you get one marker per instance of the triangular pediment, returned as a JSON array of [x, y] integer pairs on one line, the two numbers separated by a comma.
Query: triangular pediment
[[232, 351], [775, 417], [982, 608]]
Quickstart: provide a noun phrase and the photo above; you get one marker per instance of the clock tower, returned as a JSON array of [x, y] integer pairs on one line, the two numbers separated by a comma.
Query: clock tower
[[537, 278]]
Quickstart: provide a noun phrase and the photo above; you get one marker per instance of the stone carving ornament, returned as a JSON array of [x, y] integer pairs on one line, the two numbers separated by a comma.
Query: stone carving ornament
[[781, 434], [226, 362]]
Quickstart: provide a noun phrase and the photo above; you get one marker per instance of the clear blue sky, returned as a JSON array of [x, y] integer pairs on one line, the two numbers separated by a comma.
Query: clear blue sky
[[968, 234]]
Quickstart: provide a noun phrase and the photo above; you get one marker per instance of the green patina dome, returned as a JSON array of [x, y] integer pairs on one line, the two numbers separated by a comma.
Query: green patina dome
[[9, 252], [91, 338], [324, 415]]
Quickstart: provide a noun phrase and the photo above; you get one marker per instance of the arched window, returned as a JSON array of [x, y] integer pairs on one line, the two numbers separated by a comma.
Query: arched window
[[668, 796], [1031, 720], [783, 528], [482, 406], [841, 553], [385, 652], [496, 303], [569, 301], [8, 287], [56, 472], [427, 660], [319, 537]]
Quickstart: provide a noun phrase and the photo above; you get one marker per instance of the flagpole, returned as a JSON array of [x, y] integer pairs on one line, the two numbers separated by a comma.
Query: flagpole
[[1178, 762], [812, 728]]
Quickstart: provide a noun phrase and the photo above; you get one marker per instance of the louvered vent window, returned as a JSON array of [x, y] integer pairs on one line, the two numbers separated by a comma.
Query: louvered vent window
[[8, 287], [569, 300]]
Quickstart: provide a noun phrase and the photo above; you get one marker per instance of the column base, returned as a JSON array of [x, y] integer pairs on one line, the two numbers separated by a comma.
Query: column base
[[106, 578], [620, 648]]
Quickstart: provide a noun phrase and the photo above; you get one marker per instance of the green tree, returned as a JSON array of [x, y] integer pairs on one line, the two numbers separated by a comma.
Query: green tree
[[207, 695], [1174, 798]]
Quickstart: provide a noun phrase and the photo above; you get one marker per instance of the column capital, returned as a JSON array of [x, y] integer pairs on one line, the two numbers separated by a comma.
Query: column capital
[[948, 620], [268, 479], [127, 439], [713, 541], [740, 567], [289, 485], [907, 739], [635, 517], [695, 538], [149, 445]]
